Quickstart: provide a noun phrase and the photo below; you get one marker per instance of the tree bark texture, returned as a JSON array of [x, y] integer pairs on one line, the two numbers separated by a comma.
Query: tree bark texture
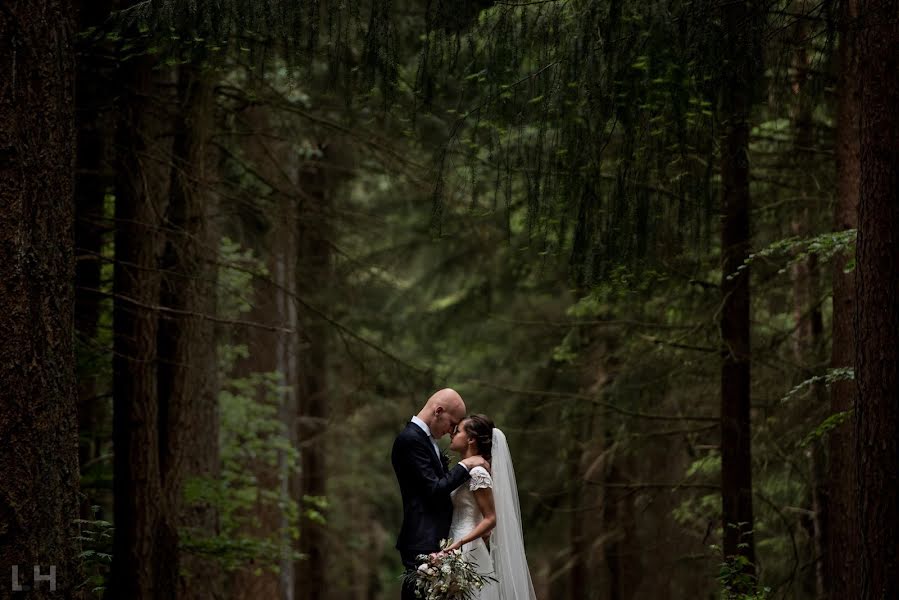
[[313, 274], [188, 408], [274, 352], [809, 337], [140, 570], [877, 309], [841, 556], [38, 410]]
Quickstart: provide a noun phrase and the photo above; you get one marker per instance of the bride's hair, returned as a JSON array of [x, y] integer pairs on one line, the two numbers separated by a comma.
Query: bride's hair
[[480, 427]]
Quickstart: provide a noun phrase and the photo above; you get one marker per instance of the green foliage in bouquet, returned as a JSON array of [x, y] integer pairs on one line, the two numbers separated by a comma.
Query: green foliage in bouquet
[[446, 576]]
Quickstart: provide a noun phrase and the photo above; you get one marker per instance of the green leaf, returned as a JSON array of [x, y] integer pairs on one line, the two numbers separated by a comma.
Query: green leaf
[[826, 426]]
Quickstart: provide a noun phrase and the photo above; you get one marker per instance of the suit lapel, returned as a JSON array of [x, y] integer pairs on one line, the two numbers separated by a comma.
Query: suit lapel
[[426, 440]]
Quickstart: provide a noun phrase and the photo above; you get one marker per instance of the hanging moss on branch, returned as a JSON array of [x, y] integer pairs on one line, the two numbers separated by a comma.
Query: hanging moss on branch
[[600, 114]]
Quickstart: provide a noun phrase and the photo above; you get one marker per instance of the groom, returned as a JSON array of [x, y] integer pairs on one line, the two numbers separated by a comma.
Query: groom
[[425, 478]]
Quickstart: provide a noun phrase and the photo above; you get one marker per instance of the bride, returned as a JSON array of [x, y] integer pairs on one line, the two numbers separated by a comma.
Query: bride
[[490, 502]]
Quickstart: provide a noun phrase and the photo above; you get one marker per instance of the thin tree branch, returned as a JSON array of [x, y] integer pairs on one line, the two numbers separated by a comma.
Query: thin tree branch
[[612, 407], [175, 311]]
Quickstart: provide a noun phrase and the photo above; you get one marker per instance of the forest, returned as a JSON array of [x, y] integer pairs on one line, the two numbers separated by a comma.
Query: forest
[[243, 241]]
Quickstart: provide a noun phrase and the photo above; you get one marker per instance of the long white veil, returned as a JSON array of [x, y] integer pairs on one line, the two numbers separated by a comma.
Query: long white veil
[[507, 541]]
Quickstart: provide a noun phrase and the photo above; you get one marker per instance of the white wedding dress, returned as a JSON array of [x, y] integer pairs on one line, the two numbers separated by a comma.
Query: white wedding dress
[[505, 561], [466, 516]]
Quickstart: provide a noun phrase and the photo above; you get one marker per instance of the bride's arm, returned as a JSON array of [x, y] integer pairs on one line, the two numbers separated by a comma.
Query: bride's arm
[[484, 497]]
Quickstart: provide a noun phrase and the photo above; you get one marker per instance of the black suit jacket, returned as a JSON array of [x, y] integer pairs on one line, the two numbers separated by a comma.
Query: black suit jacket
[[425, 484]]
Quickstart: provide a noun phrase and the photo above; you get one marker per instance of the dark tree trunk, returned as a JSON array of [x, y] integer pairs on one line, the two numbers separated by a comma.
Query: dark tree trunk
[[273, 352], [809, 342], [188, 415], [623, 552], [877, 309], [577, 418], [265, 514], [809, 349], [736, 463], [92, 178], [314, 273], [841, 555], [38, 411], [139, 530], [578, 574]]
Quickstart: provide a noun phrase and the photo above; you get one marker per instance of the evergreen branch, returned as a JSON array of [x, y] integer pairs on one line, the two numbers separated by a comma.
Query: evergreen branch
[[524, 4], [832, 375], [659, 341], [591, 323]]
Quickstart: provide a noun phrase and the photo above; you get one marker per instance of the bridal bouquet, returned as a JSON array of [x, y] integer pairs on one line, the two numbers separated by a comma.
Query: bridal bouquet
[[446, 576]]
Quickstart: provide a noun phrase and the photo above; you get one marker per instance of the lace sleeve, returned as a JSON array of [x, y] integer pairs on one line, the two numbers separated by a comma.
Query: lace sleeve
[[480, 479]]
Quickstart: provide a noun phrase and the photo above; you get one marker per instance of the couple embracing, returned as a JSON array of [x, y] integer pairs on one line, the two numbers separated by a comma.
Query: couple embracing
[[475, 503]]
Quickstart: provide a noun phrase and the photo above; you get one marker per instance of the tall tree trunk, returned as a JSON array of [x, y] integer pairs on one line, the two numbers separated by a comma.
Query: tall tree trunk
[[808, 349], [284, 269], [137, 486], [623, 552], [91, 181], [841, 556], [273, 352], [314, 273], [809, 344], [736, 463], [264, 517], [877, 309], [578, 574], [578, 419], [38, 411], [188, 415]]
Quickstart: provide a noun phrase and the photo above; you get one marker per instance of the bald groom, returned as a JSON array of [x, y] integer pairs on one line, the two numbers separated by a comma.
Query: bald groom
[[425, 478]]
